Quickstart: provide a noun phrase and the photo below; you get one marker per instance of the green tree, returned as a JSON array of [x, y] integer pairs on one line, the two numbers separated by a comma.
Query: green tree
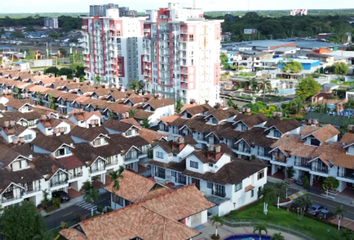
[[268, 195], [134, 85], [340, 68], [31, 55], [330, 183], [68, 72], [281, 188], [98, 79], [307, 87], [115, 176], [145, 123], [340, 212], [253, 85], [18, 34], [21, 222], [86, 186], [293, 67], [277, 236], [131, 113], [92, 196], [53, 70], [179, 106], [306, 182], [224, 59], [265, 86], [30, 29], [346, 234], [259, 228], [51, 101], [217, 220], [305, 202], [54, 35], [40, 100]]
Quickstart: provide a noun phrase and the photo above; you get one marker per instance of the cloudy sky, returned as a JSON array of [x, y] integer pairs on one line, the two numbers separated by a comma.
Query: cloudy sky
[[37, 6]]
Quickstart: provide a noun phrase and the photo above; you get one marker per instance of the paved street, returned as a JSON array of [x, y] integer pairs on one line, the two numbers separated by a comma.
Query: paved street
[[68, 214]]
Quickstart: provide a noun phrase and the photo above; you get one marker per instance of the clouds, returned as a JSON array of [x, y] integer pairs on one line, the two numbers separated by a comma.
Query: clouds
[[17, 6]]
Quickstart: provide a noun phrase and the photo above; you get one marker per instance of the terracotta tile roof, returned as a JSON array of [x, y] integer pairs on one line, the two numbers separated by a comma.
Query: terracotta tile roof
[[14, 103], [185, 106], [141, 114], [151, 135], [285, 126], [158, 103], [257, 137], [323, 133], [7, 155], [72, 234], [251, 120], [38, 88], [167, 120], [83, 115], [131, 121], [306, 130], [117, 125], [198, 109], [222, 114], [14, 130], [294, 145], [133, 187], [71, 162], [88, 134], [118, 108], [348, 138], [49, 143], [249, 188], [156, 192], [52, 122]]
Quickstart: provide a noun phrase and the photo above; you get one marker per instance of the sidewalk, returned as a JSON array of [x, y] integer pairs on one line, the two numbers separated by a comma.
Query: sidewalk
[[340, 199], [225, 231]]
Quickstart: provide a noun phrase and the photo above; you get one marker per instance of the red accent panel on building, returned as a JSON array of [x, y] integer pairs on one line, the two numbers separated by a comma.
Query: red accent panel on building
[[170, 35], [217, 74], [201, 15], [103, 48], [142, 64], [121, 64]]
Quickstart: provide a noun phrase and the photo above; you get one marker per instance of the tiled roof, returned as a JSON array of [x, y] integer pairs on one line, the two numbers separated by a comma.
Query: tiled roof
[[322, 134], [251, 120], [256, 137], [198, 109], [7, 155], [151, 135], [285, 126], [222, 114], [71, 162], [168, 119], [116, 125], [88, 134], [84, 116], [72, 234], [14, 103], [348, 138], [158, 103]]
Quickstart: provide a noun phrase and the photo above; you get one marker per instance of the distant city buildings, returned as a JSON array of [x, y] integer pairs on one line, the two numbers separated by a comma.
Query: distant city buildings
[[113, 46], [100, 10], [181, 54], [298, 12], [51, 23]]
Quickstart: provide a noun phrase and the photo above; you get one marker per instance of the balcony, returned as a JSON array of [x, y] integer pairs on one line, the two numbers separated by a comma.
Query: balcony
[[97, 170], [146, 30], [131, 158], [75, 176], [55, 184], [320, 170], [160, 175], [31, 190], [9, 197], [219, 193], [302, 165]]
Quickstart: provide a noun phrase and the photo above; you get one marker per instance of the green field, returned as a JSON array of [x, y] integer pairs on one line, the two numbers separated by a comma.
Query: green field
[[315, 229]]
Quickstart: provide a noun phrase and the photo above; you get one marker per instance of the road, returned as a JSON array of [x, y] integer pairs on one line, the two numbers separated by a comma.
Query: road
[[68, 214], [327, 202]]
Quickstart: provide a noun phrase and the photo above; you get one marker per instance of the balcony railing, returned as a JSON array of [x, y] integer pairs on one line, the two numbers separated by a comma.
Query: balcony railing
[[76, 175], [244, 150], [219, 193], [97, 170], [346, 175], [322, 170], [304, 165], [128, 158], [32, 189], [9, 198], [160, 175], [55, 184]]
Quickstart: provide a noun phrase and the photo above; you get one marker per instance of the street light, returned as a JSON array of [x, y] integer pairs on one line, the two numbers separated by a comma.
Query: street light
[[234, 205]]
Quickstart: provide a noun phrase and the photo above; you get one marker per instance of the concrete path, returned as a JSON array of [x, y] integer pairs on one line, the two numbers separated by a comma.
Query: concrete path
[[226, 231]]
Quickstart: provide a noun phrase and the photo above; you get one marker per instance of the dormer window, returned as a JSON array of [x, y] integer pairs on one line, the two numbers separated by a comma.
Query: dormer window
[[62, 152], [99, 141], [315, 142], [277, 134]]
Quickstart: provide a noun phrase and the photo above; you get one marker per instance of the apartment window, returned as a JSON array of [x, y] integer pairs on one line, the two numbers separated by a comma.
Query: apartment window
[[159, 155], [118, 32], [193, 164], [260, 175], [238, 187], [191, 37], [210, 185]]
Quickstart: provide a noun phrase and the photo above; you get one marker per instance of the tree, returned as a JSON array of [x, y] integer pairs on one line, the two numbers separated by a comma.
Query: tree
[[18, 34], [346, 234], [98, 79], [145, 123], [92, 196], [268, 194], [53, 70], [54, 35], [30, 55], [277, 236], [51, 101], [329, 184], [340, 212], [115, 176], [281, 188], [259, 228], [306, 182], [224, 59], [68, 72], [86, 186], [134, 85], [253, 85], [265, 86], [307, 87], [30, 29], [21, 222], [131, 113], [305, 202], [217, 220], [340, 68], [179, 106], [293, 67], [40, 100]]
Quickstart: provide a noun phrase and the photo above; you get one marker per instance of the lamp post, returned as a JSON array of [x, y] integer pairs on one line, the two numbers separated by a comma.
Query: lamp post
[[234, 205]]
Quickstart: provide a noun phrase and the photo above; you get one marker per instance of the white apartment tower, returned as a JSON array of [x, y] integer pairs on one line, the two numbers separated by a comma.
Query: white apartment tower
[[181, 54], [113, 48]]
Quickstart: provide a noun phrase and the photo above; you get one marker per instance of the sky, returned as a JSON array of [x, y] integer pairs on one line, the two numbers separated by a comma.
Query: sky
[[38, 6]]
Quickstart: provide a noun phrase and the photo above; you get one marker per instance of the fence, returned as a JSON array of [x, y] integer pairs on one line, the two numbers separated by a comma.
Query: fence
[[248, 223]]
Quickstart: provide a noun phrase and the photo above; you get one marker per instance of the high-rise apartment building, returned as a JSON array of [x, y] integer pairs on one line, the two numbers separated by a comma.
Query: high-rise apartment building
[[51, 23], [182, 54], [113, 48]]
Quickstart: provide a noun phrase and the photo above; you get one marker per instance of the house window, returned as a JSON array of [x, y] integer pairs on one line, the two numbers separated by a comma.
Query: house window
[[28, 137], [243, 128], [214, 121], [60, 152], [315, 142], [252, 193], [211, 165], [173, 174], [191, 37], [210, 185], [238, 187], [159, 155], [260, 175], [193, 164], [219, 190], [160, 172], [277, 134], [129, 132]]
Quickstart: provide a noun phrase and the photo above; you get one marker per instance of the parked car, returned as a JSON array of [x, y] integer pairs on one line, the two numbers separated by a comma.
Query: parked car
[[325, 214], [63, 196], [46, 205], [315, 209]]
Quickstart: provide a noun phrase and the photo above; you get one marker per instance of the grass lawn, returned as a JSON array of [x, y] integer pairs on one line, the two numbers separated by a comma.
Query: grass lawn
[[312, 228]]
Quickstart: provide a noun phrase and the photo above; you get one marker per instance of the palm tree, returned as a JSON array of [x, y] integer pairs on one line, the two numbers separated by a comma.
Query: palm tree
[[268, 194], [281, 188], [275, 90], [91, 196], [239, 85], [259, 228], [134, 85], [346, 234], [277, 236], [265, 86], [215, 220], [145, 123], [179, 106], [253, 85], [305, 202], [115, 176], [131, 113], [86, 186], [340, 212]]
